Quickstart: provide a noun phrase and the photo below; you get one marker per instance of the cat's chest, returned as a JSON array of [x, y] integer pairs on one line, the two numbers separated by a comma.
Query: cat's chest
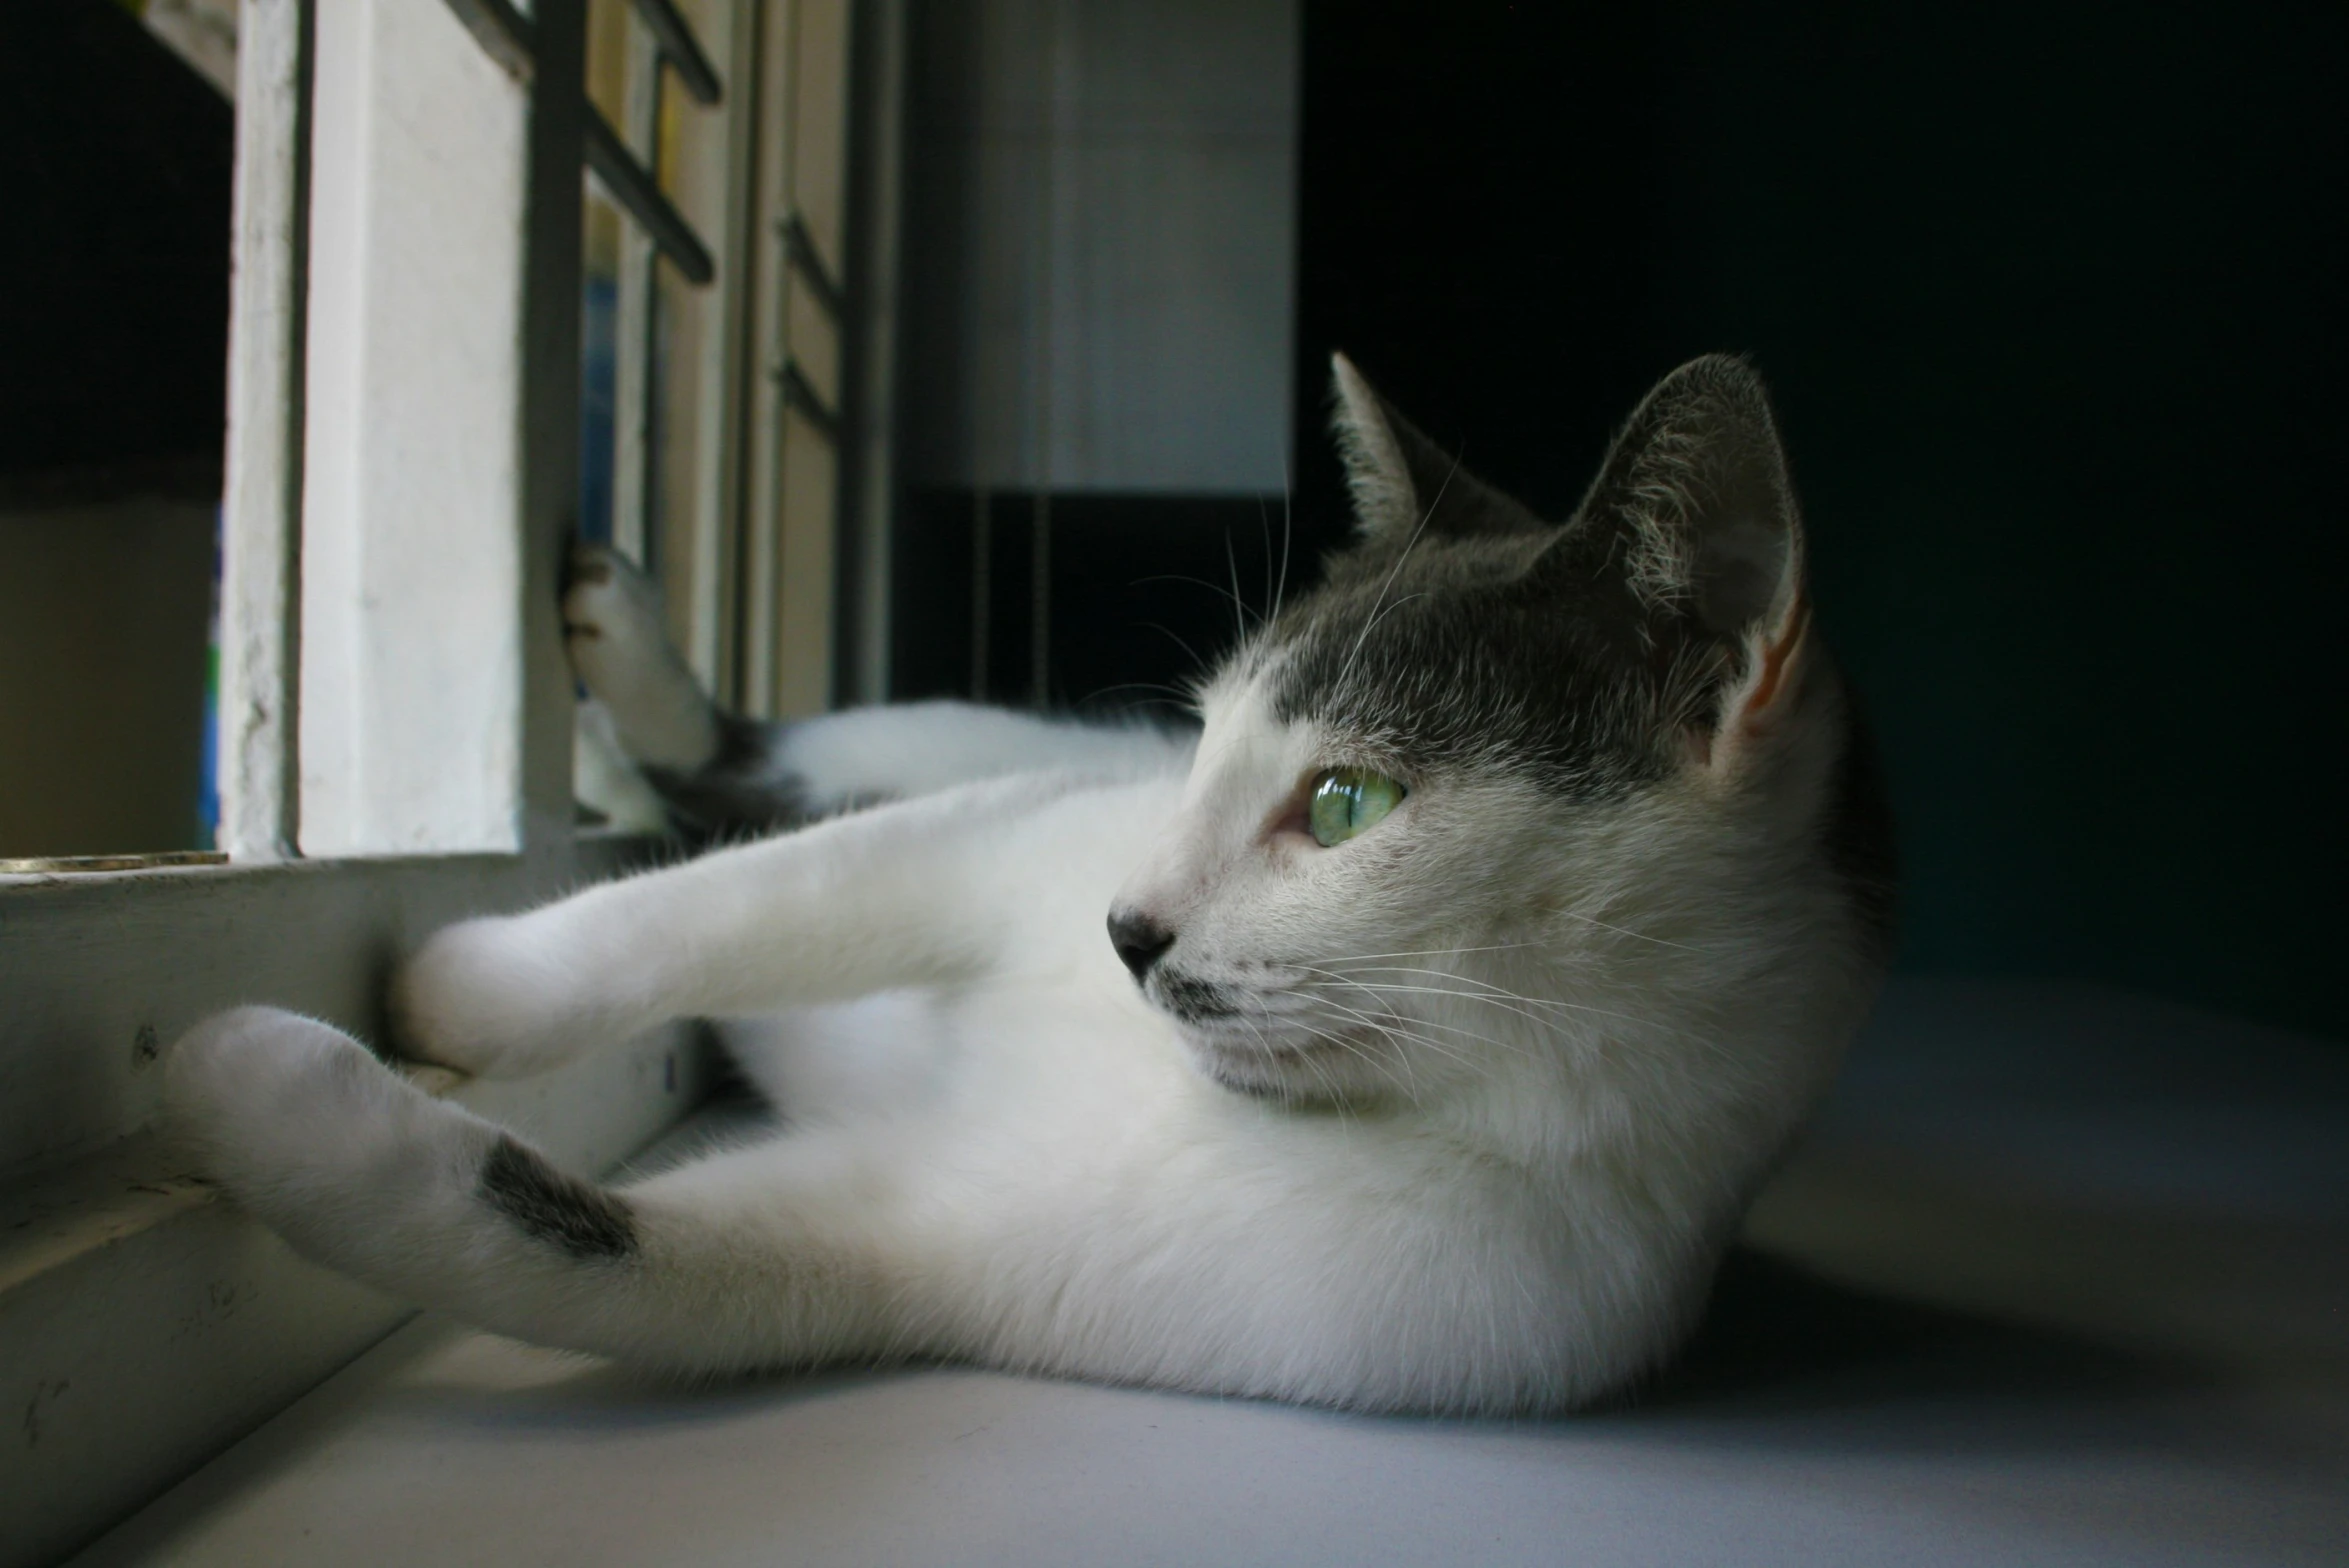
[[1013, 1046], [1073, 1034]]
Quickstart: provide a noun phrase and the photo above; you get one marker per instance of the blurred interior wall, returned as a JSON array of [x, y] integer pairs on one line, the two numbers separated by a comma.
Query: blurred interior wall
[[104, 609], [2050, 298], [1100, 244], [116, 157]]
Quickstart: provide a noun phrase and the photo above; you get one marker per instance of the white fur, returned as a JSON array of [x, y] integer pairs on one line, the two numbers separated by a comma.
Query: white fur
[[613, 628], [1510, 1199], [921, 748], [1487, 1091]]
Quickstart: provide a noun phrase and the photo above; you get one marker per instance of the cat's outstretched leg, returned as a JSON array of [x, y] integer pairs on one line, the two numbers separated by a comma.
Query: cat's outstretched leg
[[925, 892], [722, 773], [1174, 1247], [361, 1171]]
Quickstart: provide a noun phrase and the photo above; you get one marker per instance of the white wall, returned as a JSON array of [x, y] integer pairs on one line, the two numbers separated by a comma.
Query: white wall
[[417, 591], [1100, 244]]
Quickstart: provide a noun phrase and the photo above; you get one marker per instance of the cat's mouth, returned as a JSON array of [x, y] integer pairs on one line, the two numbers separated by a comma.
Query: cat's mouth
[[1199, 1003], [1251, 1043]]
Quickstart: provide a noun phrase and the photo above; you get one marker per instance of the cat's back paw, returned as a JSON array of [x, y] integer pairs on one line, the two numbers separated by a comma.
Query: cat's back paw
[[617, 636]]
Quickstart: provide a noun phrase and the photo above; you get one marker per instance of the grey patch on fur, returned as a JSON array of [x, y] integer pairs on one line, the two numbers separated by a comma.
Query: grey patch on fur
[[1461, 657], [1191, 1000], [739, 791], [1469, 634], [1464, 634], [584, 1220]]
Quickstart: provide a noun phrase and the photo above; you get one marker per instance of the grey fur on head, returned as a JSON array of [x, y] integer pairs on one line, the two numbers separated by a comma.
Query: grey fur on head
[[1463, 630]]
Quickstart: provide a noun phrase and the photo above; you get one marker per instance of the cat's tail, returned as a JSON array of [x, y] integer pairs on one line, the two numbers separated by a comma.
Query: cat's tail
[[360, 1170]]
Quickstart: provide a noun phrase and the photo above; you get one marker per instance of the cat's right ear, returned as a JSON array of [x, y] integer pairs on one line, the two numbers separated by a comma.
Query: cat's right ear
[[1402, 483], [1694, 513]]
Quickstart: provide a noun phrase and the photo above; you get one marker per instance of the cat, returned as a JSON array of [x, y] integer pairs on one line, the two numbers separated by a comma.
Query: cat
[[1463, 974]]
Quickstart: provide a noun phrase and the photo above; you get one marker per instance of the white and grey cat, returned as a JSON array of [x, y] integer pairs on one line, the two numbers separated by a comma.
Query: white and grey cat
[[1463, 976]]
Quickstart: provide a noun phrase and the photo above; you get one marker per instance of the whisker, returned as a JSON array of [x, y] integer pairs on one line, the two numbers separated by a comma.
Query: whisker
[[1686, 1039], [1376, 617], [1315, 1067], [1637, 936], [1280, 594], [1521, 1006], [1504, 947], [1409, 545], [1430, 1023], [1409, 1083], [1395, 1024], [1264, 539], [1397, 1029], [1193, 653], [1217, 589], [1496, 995], [1440, 952], [1175, 692], [1231, 564]]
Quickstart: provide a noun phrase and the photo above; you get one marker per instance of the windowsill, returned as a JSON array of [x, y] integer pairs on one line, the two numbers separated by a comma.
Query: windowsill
[[44, 866], [143, 1323], [1993, 1312]]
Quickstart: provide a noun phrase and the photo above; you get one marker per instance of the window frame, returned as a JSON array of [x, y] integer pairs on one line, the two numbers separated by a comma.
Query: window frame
[[144, 1325]]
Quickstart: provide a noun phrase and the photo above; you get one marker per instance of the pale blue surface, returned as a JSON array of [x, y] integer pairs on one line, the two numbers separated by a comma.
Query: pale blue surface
[[2061, 1278]]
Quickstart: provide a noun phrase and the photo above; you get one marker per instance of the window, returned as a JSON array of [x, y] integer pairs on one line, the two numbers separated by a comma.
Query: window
[[715, 412], [430, 242]]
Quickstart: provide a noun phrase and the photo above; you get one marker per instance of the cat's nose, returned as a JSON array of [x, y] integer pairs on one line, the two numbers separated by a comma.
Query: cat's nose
[[1140, 941]]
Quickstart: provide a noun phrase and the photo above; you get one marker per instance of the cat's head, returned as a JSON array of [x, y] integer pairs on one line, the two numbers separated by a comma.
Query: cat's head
[[1498, 780]]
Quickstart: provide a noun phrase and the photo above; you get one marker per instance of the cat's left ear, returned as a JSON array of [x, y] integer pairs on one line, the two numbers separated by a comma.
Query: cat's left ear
[[1697, 511], [1404, 484]]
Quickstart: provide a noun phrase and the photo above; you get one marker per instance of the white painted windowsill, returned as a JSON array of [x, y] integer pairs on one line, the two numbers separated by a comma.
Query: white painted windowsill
[[143, 1323], [2059, 1278]]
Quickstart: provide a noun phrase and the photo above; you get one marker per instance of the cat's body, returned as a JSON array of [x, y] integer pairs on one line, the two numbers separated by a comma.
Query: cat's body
[[1453, 1113]]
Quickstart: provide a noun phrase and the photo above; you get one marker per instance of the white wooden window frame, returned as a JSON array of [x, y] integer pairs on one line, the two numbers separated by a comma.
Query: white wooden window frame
[[387, 765]]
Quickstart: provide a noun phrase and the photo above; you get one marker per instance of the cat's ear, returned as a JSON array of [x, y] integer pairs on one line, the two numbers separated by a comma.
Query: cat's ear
[[1697, 512], [1402, 482]]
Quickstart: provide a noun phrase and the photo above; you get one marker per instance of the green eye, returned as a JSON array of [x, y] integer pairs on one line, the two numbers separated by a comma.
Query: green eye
[[1347, 801]]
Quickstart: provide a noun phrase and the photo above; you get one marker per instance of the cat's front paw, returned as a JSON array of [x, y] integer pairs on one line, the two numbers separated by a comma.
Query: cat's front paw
[[266, 1099], [330, 1148], [476, 997]]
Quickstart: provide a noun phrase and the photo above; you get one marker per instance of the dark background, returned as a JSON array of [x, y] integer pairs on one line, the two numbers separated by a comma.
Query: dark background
[[2051, 298], [114, 273]]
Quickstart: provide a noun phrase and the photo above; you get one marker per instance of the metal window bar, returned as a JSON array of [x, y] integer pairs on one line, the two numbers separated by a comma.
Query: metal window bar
[[635, 480], [800, 393], [791, 541], [681, 49], [638, 194], [799, 248], [507, 36]]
